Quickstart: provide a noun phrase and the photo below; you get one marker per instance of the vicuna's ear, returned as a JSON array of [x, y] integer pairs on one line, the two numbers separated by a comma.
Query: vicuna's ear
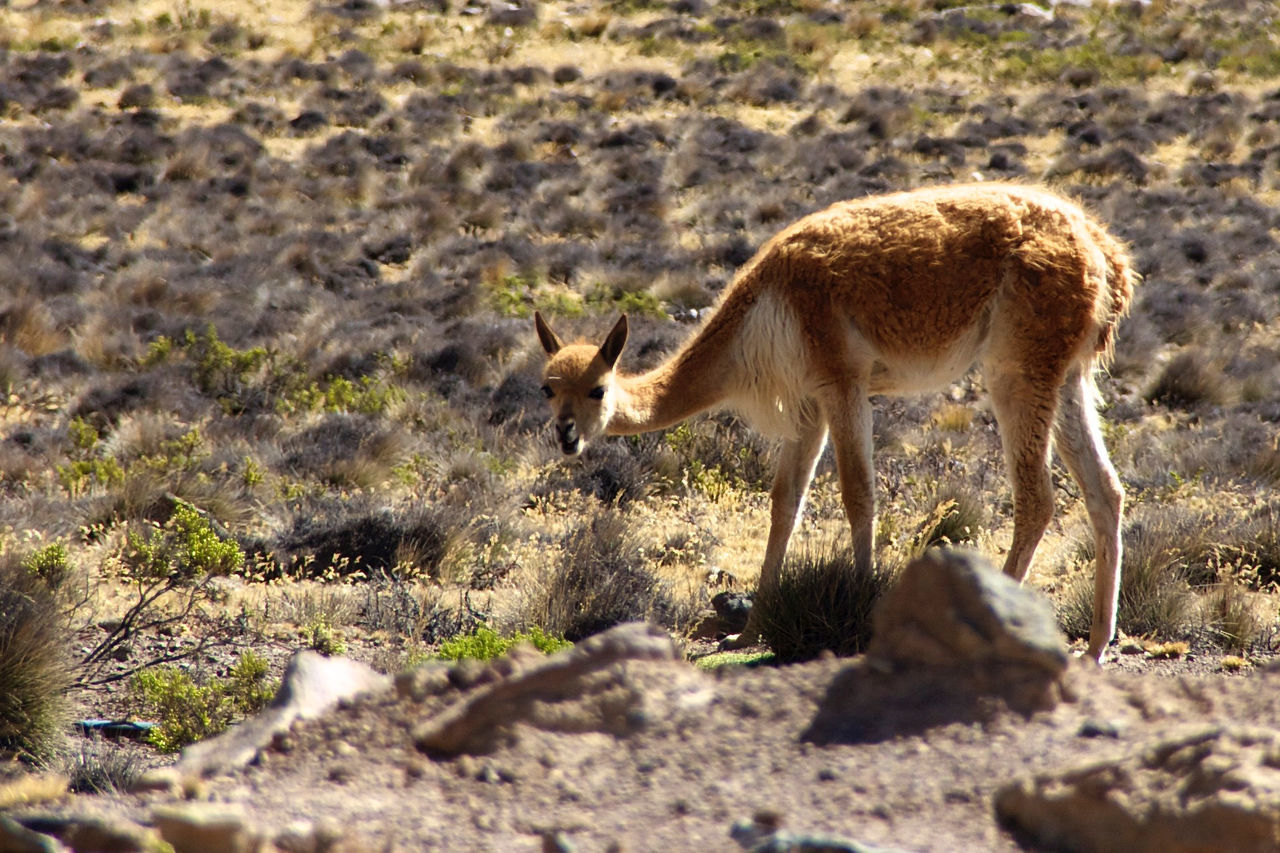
[[613, 344], [549, 340]]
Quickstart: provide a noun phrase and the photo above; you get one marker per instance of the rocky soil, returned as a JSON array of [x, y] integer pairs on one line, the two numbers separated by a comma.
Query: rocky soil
[[966, 726]]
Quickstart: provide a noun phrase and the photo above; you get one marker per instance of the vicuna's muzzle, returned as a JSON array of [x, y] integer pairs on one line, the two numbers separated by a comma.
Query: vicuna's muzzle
[[568, 437]]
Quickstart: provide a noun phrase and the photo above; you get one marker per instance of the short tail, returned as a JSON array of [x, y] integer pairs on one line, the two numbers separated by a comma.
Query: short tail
[[1122, 278]]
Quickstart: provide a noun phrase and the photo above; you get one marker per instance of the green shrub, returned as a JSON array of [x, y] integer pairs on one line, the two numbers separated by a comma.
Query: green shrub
[[368, 396], [170, 569], [51, 564], [321, 637], [819, 603], [79, 475], [716, 456], [186, 712], [34, 669], [186, 545], [88, 468], [485, 644], [219, 368]]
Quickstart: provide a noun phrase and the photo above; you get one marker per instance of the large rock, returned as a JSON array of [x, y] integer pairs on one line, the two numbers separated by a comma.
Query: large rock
[[312, 685], [953, 608], [1209, 790], [953, 641]]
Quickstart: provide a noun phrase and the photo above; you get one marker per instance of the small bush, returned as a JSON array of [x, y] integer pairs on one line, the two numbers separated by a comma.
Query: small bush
[[170, 569], [715, 456], [819, 603], [1167, 651], [51, 564], [186, 712], [321, 637], [485, 644], [343, 541], [604, 580], [186, 544], [34, 670], [1188, 382]]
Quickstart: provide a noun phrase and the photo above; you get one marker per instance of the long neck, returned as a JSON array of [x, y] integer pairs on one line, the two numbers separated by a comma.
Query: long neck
[[698, 377]]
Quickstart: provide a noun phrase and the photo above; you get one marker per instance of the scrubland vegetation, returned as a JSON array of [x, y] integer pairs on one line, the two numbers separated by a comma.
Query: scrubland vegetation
[[266, 350]]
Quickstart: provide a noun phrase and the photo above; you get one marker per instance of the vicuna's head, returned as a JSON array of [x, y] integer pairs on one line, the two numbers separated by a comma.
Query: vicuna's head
[[579, 384]]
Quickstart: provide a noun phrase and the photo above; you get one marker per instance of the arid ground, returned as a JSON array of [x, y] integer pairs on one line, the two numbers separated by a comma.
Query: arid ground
[[267, 277]]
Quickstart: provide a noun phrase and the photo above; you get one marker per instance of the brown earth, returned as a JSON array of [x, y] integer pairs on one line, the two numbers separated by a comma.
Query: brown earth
[[754, 747]]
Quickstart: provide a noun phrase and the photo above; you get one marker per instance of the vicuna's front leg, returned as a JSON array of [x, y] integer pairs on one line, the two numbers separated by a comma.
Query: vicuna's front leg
[[849, 421], [796, 464]]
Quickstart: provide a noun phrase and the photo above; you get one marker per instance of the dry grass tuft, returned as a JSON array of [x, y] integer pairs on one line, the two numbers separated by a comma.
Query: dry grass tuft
[[819, 604], [27, 323], [1155, 591], [99, 768], [957, 515], [34, 665], [26, 790], [1233, 615], [604, 579]]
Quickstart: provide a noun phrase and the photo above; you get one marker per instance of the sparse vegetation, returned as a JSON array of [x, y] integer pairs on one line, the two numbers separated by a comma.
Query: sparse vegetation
[[169, 570]]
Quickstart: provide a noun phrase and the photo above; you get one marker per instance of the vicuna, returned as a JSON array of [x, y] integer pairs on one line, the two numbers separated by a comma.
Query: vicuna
[[897, 294]]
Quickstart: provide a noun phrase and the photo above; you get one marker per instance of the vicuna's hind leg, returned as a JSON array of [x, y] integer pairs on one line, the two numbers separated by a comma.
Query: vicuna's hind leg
[[1079, 443], [1024, 409]]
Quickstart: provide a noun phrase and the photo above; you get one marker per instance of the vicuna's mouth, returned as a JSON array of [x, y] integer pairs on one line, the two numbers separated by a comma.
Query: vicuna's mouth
[[569, 439]]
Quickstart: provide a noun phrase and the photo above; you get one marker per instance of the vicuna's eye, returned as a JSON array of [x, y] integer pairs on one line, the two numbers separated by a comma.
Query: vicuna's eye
[[596, 393], [547, 392]]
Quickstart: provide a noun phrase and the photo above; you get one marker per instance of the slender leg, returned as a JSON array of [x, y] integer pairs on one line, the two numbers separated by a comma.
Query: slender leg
[[849, 420], [1024, 409], [1078, 440], [796, 464]]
